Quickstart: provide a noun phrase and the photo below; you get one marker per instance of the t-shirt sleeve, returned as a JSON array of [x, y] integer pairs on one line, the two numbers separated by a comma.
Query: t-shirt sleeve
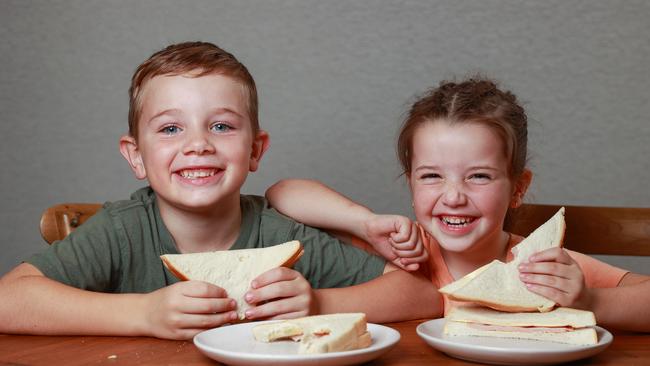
[[598, 274], [328, 262], [84, 258]]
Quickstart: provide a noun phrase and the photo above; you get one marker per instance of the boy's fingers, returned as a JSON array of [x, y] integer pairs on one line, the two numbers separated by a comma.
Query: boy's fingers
[[273, 275], [208, 305], [201, 289], [206, 321]]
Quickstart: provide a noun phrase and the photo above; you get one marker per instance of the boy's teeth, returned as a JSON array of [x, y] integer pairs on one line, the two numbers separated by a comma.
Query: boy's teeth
[[197, 173]]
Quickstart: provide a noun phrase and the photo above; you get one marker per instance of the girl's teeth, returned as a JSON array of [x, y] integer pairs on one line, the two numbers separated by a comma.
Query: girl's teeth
[[457, 220]]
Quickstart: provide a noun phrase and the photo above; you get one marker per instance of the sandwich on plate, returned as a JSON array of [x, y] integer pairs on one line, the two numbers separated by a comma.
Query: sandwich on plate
[[233, 270], [319, 333], [501, 306], [564, 325]]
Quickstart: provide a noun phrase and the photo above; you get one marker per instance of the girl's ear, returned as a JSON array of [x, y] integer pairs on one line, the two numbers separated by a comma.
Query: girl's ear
[[521, 186], [260, 145], [130, 152]]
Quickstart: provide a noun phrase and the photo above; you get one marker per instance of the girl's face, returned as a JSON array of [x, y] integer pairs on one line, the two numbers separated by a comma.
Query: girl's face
[[460, 184]]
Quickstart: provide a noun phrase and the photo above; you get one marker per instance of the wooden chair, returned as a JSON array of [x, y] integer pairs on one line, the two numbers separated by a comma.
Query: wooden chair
[[592, 230], [60, 220]]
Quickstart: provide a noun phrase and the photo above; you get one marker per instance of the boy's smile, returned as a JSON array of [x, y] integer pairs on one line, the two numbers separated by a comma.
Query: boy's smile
[[195, 144]]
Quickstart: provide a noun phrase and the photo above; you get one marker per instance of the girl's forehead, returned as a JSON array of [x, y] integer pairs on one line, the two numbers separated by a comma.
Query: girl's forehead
[[441, 141]]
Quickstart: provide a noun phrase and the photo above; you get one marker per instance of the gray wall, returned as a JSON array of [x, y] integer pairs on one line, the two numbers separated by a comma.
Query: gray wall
[[334, 79]]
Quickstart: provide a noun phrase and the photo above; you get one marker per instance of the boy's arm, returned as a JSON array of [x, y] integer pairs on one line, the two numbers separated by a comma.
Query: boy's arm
[[395, 296], [315, 204], [34, 304]]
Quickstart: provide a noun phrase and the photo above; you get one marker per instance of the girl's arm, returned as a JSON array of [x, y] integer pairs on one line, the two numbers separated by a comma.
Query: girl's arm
[[395, 237], [395, 296], [626, 306], [315, 204]]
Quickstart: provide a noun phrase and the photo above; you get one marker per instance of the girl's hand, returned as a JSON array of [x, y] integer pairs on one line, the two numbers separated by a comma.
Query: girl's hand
[[280, 293], [397, 239], [182, 310], [552, 273]]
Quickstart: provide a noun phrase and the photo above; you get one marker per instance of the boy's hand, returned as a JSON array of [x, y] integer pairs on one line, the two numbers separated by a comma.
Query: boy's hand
[[182, 310], [397, 239], [280, 293], [553, 274]]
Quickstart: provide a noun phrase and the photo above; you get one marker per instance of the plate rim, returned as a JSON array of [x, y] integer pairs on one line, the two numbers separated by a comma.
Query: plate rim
[[392, 338]]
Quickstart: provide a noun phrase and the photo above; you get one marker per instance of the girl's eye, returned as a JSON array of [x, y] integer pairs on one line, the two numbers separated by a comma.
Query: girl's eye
[[170, 130], [429, 176], [480, 177], [221, 127]]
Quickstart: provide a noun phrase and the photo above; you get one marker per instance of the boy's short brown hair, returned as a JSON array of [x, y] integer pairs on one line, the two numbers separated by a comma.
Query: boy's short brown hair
[[176, 59]]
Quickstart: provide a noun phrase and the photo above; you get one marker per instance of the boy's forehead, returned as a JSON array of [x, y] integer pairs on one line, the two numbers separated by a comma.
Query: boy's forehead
[[167, 90]]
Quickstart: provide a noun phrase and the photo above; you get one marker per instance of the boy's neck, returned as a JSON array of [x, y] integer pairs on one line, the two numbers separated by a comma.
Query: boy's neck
[[203, 231]]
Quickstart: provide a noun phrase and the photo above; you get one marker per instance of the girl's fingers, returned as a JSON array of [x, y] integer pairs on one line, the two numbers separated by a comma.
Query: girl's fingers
[[552, 255], [546, 268]]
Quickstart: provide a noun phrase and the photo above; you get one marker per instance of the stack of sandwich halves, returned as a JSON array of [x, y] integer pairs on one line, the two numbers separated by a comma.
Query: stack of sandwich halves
[[500, 305]]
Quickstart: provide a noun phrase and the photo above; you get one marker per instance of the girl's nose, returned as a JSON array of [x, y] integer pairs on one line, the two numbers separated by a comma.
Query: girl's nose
[[198, 143], [454, 195]]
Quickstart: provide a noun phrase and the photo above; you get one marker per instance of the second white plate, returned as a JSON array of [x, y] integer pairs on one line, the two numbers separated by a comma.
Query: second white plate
[[503, 351], [235, 345]]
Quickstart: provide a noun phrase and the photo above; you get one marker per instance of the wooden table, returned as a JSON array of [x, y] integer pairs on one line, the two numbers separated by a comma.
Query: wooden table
[[627, 349]]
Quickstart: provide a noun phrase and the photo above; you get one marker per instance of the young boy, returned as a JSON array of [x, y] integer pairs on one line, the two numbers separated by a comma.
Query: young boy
[[194, 135]]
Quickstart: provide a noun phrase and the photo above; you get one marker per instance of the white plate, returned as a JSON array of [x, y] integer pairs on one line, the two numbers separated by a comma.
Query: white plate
[[503, 351], [235, 345]]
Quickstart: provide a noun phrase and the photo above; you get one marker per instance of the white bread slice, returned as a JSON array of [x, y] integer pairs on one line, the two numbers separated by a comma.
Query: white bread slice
[[558, 317], [581, 336], [319, 333], [233, 270], [497, 284], [564, 325]]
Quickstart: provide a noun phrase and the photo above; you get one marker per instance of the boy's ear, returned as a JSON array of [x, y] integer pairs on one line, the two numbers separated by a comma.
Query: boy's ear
[[261, 143], [521, 186], [130, 151]]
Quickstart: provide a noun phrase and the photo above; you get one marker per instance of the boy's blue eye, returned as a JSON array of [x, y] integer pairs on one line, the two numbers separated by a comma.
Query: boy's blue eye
[[221, 127], [170, 130]]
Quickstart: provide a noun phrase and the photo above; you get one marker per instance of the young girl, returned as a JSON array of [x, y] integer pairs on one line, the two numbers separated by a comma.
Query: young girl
[[463, 151]]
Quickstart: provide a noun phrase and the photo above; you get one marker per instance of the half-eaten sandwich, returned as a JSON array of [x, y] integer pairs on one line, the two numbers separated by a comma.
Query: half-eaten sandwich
[[564, 325], [497, 284], [233, 270], [319, 333]]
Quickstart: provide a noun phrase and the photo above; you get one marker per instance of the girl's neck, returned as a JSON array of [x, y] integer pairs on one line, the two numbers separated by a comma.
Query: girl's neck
[[462, 263], [202, 231]]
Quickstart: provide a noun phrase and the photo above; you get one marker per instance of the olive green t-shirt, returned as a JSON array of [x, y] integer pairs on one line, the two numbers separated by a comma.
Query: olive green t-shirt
[[118, 249]]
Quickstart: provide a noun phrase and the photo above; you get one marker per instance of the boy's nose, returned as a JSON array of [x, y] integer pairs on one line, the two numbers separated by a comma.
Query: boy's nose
[[198, 143], [454, 195]]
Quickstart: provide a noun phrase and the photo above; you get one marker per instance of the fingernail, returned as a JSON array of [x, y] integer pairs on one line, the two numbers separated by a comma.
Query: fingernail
[[248, 297], [233, 304], [233, 315], [254, 284], [249, 314]]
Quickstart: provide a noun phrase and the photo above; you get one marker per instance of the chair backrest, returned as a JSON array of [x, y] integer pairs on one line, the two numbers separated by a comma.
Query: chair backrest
[[60, 220], [592, 230]]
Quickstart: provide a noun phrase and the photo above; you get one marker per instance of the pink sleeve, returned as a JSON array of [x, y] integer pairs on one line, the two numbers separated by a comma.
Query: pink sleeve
[[598, 274]]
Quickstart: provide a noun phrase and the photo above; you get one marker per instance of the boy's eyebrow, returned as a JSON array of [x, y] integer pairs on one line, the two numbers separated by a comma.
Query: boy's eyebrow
[[220, 110]]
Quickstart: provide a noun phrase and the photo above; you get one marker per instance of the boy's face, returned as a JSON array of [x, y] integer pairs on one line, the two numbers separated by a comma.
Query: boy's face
[[195, 143]]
